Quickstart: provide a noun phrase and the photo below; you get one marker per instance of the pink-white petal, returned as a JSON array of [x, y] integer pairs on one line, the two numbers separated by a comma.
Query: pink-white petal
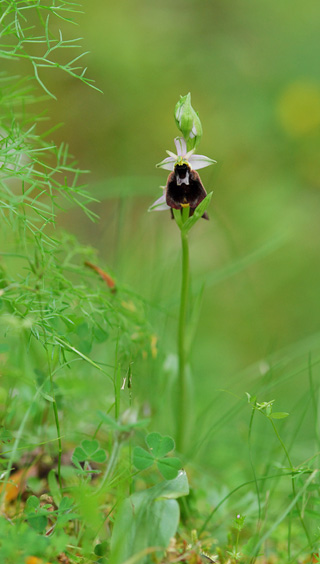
[[172, 154], [200, 161], [188, 154], [167, 163], [181, 146], [160, 204]]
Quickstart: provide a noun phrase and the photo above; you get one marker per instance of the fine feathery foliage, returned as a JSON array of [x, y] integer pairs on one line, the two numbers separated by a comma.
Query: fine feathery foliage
[[62, 318], [30, 33]]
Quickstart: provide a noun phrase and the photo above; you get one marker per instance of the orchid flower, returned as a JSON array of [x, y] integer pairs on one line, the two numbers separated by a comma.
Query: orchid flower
[[183, 179], [185, 196]]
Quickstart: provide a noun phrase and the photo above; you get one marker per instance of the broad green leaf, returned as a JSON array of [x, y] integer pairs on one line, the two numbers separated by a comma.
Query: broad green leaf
[[159, 445], [169, 467], [147, 519], [142, 459], [141, 524], [171, 489]]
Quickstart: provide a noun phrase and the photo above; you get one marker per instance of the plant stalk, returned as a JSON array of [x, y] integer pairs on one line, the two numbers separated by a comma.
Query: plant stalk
[[182, 349]]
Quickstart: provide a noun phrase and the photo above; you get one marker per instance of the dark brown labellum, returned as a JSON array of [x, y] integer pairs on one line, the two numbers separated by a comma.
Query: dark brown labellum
[[184, 187]]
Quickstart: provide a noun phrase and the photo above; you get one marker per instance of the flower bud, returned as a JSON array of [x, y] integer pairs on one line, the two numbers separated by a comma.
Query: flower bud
[[188, 122]]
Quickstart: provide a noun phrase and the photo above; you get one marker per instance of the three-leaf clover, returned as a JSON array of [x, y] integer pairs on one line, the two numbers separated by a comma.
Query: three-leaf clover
[[89, 451], [159, 447]]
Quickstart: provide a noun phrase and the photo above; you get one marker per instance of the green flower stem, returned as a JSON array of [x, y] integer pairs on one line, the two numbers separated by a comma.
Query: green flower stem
[[182, 350]]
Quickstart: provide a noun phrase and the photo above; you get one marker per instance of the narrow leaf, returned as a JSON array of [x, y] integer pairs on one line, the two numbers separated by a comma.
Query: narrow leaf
[[278, 415]]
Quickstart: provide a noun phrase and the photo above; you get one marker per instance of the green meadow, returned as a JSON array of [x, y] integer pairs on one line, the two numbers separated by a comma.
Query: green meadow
[[159, 373]]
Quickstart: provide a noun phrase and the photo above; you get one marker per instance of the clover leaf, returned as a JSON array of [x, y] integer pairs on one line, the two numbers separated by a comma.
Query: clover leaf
[[159, 447], [89, 451], [142, 459]]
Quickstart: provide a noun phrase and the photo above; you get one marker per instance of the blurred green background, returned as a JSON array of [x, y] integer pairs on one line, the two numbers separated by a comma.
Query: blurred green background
[[253, 71]]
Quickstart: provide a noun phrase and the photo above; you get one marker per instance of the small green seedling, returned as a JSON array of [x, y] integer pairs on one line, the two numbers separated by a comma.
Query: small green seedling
[[238, 524], [265, 407]]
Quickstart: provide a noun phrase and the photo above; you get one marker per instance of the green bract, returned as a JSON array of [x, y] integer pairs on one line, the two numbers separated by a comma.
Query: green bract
[[188, 122]]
